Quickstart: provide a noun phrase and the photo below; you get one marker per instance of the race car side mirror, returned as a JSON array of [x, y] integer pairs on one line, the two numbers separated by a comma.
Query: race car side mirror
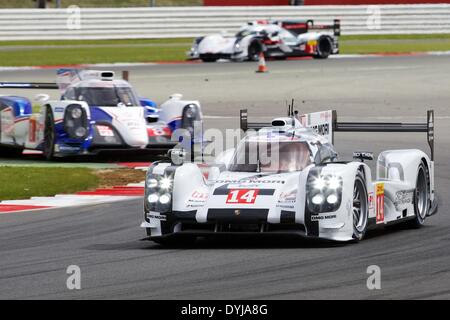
[[363, 155]]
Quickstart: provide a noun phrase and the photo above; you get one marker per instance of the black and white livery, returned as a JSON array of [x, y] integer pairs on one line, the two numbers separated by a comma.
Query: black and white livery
[[275, 39], [305, 190]]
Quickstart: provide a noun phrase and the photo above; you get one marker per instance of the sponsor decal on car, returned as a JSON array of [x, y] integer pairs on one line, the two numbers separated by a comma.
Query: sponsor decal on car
[[380, 202], [371, 201], [156, 215], [249, 181], [32, 129], [105, 131], [242, 196], [319, 217], [161, 131], [402, 198], [197, 199]]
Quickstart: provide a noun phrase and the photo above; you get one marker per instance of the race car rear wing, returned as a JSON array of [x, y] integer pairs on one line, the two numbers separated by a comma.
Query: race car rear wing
[[64, 78], [427, 127], [28, 85], [326, 124], [302, 26], [336, 27]]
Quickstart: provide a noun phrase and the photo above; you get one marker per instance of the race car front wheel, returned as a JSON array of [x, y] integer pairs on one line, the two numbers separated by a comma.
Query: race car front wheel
[[209, 59], [324, 47], [254, 50], [49, 135], [421, 196], [360, 208]]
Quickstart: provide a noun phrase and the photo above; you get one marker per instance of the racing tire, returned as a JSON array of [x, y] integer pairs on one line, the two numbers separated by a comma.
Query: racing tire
[[209, 59], [421, 197], [49, 135], [360, 207], [254, 50], [324, 47]]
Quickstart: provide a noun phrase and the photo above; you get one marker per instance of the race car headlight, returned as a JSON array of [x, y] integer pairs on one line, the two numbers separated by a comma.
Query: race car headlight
[[334, 182], [76, 113], [75, 122], [165, 198], [332, 199], [80, 132], [324, 192], [319, 183], [165, 183], [190, 112], [158, 191], [317, 199], [152, 198], [152, 183]]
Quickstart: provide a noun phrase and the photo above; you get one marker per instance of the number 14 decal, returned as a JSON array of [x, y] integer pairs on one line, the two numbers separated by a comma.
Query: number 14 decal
[[246, 196]]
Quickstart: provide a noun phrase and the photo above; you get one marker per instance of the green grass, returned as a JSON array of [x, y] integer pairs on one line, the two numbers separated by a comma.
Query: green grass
[[154, 50], [101, 3], [387, 46], [172, 41], [395, 37], [61, 56], [25, 182]]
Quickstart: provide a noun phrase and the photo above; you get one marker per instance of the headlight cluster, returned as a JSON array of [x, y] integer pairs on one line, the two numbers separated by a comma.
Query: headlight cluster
[[190, 114], [75, 122], [324, 193], [159, 192]]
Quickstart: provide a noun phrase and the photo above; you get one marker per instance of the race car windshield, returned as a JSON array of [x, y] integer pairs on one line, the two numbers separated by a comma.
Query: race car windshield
[[244, 33], [274, 157], [107, 96]]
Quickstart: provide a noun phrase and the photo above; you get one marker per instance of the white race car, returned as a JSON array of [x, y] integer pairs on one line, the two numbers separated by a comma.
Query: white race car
[[275, 39], [96, 113], [304, 191]]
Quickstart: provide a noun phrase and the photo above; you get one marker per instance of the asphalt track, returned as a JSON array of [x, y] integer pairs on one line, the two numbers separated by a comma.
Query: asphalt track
[[104, 240]]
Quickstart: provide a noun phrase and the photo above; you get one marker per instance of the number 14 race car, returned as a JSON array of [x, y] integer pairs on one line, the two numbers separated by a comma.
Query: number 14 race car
[[96, 113], [305, 191]]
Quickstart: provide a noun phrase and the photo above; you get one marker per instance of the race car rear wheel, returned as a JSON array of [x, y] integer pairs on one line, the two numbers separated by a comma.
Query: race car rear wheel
[[421, 196], [324, 47], [49, 135], [254, 50], [209, 59], [360, 207]]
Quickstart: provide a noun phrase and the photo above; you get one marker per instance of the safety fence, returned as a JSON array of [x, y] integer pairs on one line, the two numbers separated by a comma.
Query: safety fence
[[174, 22]]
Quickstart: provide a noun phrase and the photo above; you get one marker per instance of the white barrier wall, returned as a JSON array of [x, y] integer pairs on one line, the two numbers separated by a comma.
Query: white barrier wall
[[128, 23]]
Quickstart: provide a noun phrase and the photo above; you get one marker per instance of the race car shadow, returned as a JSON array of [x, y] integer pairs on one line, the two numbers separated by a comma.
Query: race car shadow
[[243, 242], [121, 246], [392, 230], [240, 242]]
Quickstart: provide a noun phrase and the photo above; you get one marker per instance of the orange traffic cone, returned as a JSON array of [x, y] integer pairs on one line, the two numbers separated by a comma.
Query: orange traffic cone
[[262, 64]]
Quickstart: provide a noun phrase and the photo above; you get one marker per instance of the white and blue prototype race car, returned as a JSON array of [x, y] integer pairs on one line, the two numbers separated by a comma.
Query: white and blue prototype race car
[[306, 191], [96, 113]]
